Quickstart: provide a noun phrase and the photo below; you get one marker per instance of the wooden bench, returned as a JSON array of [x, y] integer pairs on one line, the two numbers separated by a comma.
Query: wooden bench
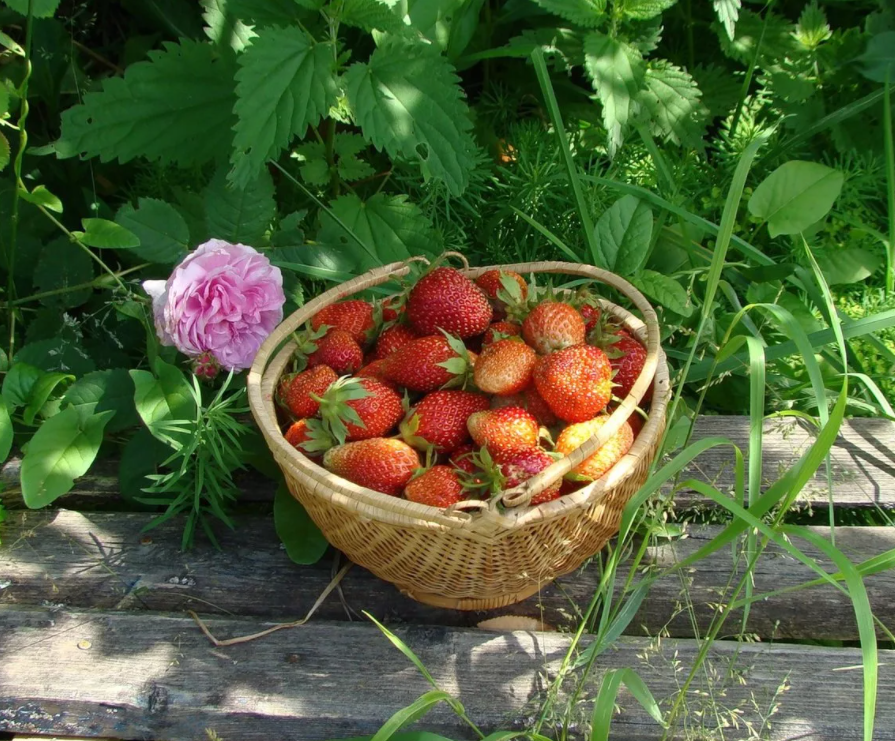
[[95, 640]]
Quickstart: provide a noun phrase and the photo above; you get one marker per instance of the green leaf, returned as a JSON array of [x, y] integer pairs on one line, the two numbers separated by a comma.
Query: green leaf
[[390, 225], [40, 392], [315, 168], [878, 60], [6, 433], [107, 234], [240, 215], [18, 383], [643, 10], [140, 458], [849, 265], [285, 83], [162, 398], [346, 147], [373, 15], [604, 707], [303, 540], [106, 390], [795, 196], [40, 196], [4, 151], [588, 13], [39, 8], [63, 449], [672, 100], [623, 235], [175, 108], [776, 33], [407, 100], [61, 266], [667, 291], [412, 713], [57, 355], [616, 71], [728, 12], [813, 29], [162, 232], [224, 26]]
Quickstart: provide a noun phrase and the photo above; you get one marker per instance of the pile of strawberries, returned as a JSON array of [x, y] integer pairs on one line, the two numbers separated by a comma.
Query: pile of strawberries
[[459, 389]]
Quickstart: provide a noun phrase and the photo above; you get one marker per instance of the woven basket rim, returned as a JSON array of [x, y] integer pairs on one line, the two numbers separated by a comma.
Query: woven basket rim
[[274, 355]]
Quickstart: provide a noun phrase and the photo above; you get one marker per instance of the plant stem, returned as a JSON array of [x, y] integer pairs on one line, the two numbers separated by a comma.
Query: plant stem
[[747, 80], [95, 283], [329, 144], [890, 182]]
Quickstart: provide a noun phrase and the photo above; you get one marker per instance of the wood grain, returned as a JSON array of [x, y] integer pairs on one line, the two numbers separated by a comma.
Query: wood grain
[[151, 676], [103, 560]]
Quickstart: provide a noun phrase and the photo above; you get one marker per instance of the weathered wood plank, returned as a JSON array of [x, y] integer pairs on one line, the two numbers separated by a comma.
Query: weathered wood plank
[[102, 560], [863, 467], [152, 676]]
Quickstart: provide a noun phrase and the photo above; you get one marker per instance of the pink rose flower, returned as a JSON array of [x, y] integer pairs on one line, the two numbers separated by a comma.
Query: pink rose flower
[[222, 298]]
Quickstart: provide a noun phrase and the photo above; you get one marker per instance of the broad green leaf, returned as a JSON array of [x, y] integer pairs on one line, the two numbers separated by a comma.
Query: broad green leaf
[[175, 108], [4, 151], [18, 383], [377, 15], [795, 196], [728, 12], [63, 265], [243, 214], [587, 13], [346, 147], [57, 355], [616, 71], [390, 225], [107, 234], [162, 398], [314, 169], [848, 265], [106, 390], [63, 449], [6, 431], [303, 540], [39, 8], [40, 196], [162, 232], [224, 26], [879, 58], [623, 235], [285, 83], [41, 392], [407, 100], [667, 291], [140, 458], [643, 10], [672, 100]]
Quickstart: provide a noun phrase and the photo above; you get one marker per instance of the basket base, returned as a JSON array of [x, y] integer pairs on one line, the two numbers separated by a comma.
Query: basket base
[[474, 603]]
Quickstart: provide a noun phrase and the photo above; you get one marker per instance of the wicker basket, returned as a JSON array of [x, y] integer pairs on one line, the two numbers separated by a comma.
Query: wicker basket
[[484, 556]]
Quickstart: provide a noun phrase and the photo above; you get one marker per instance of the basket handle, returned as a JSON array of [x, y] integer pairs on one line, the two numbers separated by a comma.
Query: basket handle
[[522, 495]]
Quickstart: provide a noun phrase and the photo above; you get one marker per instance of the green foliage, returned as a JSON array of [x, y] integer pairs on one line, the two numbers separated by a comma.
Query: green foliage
[[240, 214], [795, 196], [623, 234], [303, 541], [62, 267], [162, 232]]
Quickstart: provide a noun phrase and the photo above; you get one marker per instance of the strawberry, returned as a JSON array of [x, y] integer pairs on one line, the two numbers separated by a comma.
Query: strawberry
[[576, 382], [504, 432], [308, 436], [503, 288], [295, 390], [360, 408], [428, 363], [447, 300], [391, 339], [439, 486], [379, 463], [392, 307], [526, 464], [529, 400], [636, 422], [606, 457], [627, 357], [591, 315], [354, 317], [500, 331], [375, 369], [339, 350], [505, 367], [553, 325], [462, 458], [439, 420]]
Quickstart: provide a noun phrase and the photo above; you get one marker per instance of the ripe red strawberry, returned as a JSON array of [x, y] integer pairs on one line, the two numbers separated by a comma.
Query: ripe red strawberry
[[553, 325], [462, 458], [591, 315], [505, 367], [503, 288], [606, 457], [504, 432], [391, 339], [354, 317], [447, 300], [392, 307], [494, 332], [375, 369], [439, 420], [636, 422], [427, 363], [526, 464], [339, 351], [379, 463], [308, 436], [627, 357], [439, 486], [295, 390], [360, 408], [576, 382], [529, 400]]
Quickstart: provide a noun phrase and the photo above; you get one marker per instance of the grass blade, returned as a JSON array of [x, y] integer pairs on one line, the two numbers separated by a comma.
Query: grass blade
[[404, 649], [605, 703], [413, 712], [550, 236], [890, 184]]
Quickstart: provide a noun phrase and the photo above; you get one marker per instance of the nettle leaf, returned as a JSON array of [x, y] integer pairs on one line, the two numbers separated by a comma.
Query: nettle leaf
[[643, 10], [314, 169], [795, 196], [623, 235], [672, 100], [616, 71], [588, 13], [39, 8], [390, 225], [728, 12], [813, 29], [162, 232], [776, 33], [104, 391], [879, 58], [224, 26], [107, 234], [175, 108], [408, 101], [61, 266], [664, 290], [346, 147], [303, 540], [285, 83], [242, 214], [373, 15]]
